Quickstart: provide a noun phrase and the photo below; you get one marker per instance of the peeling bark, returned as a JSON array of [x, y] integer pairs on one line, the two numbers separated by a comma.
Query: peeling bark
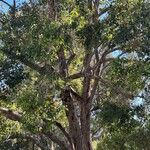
[[74, 127]]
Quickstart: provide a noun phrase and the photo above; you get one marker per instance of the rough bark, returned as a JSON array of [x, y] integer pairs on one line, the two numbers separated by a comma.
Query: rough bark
[[74, 127], [85, 125], [66, 135]]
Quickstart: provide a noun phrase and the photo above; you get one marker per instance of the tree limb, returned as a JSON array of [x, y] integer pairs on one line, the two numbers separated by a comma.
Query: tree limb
[[44, 70], [116, 89], [104, 10], [55, 139], [15, 116], [65, 133], [87, 73], [32, 138], [9, 114], [63, 68], [75, 76], [103, 57], [75, 95], [71, 57], [6, 3], [96, 54]]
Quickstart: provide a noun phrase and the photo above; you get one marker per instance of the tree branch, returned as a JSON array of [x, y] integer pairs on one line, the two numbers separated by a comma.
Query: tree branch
[[103, 57], [63, 68], [51, 10], [104, 10], [96, 54], [15, 116], [97, 69], [87, 73], [65, 133], [75, 76], [9, 114], [55, 139], [6, 3], [72, 55], [116, 89], [29, 137], [75, 95], [44, 70], [90, 4]]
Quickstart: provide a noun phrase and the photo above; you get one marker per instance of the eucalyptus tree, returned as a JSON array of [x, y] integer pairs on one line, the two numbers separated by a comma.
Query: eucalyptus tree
[[76, 55]]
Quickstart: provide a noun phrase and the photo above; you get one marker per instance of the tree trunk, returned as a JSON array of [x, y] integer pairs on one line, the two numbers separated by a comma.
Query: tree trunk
[[78, 114], [81, 136], [73, 120], [85, 126]]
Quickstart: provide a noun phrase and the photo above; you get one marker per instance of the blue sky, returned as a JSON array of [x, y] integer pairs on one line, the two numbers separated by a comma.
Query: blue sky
[[4, 7], [17, 1]]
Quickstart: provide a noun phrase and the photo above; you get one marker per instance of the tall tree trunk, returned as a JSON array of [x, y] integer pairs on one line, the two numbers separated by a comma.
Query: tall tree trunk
[[85, 125], [73, 120]]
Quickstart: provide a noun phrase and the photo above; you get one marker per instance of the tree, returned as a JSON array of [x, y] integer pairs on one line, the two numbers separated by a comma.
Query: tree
[[67, 48]]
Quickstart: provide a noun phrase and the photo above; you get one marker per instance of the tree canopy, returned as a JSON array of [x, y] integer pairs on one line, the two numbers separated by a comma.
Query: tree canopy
[[72, 73]]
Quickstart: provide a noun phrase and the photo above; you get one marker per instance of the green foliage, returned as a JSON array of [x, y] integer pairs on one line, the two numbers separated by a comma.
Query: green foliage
[[128, 74], [8, 127], [123, 128], [39, 39], [11, 73]]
